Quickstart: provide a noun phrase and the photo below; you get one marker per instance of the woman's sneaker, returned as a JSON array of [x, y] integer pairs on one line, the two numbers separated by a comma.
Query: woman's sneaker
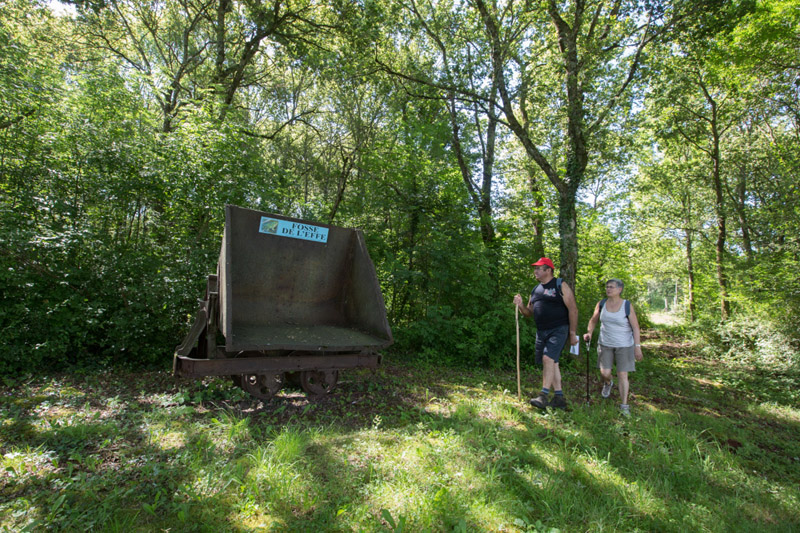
[[606, 392], [625, 410]]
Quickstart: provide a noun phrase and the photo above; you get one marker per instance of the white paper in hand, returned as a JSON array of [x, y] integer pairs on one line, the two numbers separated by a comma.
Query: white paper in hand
[[574, 349]]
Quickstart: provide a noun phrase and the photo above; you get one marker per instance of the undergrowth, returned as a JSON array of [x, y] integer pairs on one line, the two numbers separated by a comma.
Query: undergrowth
[[711, 446]]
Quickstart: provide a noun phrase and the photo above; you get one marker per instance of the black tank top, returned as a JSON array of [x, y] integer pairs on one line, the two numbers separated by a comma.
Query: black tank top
[[549, 310]]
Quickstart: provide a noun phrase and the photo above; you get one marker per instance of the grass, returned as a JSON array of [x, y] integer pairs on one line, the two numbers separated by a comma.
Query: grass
[[709, 447]]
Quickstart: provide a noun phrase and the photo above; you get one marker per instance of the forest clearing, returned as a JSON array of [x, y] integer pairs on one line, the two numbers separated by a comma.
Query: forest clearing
[[709, 447]]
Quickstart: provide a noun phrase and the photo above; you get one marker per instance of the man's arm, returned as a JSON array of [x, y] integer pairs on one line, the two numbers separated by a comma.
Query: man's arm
[[572, 309]]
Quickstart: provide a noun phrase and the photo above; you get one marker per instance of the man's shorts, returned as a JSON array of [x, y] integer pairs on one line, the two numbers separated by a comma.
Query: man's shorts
[[550, 342], [624, 358]]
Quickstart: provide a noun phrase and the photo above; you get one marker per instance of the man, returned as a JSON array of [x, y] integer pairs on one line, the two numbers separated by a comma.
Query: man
[[552, 304]]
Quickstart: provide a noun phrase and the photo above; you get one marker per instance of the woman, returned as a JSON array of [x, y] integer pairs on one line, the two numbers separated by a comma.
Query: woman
[[619, 340]]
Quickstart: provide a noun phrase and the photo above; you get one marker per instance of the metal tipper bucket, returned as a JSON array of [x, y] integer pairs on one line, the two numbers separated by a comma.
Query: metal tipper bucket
[[289, 297]]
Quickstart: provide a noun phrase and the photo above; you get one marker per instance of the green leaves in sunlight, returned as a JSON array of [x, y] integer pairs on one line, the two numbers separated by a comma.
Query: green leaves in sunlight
[[463, 140]]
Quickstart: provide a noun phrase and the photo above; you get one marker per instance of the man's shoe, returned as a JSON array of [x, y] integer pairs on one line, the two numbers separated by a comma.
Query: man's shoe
[[606, 392], [540, 402], [625, 410], [559, 402]]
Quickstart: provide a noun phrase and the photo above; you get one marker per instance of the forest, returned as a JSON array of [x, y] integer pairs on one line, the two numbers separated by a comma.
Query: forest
[[655, 142]]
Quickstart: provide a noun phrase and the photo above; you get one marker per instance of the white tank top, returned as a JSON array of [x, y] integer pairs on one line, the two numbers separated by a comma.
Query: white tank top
[[615, 329]]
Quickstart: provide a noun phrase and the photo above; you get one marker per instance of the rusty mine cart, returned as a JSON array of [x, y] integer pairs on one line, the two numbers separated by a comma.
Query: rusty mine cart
[[291, 299]]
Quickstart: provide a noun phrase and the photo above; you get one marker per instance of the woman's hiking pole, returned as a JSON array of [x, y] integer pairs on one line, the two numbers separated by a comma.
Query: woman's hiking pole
[[587, 373], [516, 317]]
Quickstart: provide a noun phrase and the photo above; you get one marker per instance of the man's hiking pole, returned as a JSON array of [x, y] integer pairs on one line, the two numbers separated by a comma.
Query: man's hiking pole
[[516, 317]]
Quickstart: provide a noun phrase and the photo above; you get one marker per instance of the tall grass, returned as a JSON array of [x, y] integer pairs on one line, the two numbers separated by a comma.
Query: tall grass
[[404, 448]]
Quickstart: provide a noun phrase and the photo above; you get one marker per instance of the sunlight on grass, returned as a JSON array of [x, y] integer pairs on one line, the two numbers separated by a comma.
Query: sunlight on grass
[[708, 382], [505, 412], [231, 428], [288, 445], [61, 413], [28, 461], [169, 439], [276, 480], [418, 497], [608, 480], [29, 401], [470, 457], [437, 407], [62, 391], [434, 475], [784, 413]]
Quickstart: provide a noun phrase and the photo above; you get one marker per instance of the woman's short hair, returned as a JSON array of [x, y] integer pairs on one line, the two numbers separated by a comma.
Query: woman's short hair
[[617, 282]]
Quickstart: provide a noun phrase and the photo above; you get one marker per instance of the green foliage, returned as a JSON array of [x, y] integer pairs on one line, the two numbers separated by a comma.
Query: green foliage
[[754, 336], [396, 526], [122, 141], [485, 340]]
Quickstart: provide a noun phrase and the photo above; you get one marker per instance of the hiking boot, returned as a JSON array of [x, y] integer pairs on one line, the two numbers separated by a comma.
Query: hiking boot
[[540, 402], [606, 392], [625, 410], [559, 402]]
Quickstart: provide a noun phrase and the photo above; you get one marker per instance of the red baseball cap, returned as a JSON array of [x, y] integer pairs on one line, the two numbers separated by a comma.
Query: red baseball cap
[[544, 261]]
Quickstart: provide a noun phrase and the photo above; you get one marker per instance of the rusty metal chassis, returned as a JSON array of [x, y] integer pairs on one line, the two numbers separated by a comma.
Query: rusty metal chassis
[[256, 363]]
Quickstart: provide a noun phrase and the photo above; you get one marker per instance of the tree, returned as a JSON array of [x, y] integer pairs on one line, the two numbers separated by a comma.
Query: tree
[[671, 201], [565, 71], [446, 66], [698, 99], [183, 53], [702, 111]]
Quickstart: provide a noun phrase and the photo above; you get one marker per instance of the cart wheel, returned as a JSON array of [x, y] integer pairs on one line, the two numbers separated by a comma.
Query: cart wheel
[[262, 386], [319, 382], [293, 379]]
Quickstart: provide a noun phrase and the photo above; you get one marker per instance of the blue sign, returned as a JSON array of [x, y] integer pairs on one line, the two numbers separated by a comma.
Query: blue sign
[[295, 230]]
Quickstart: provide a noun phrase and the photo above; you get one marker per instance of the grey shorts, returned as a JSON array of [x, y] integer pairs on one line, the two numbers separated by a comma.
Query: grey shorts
[[550, 342], [623, 357]]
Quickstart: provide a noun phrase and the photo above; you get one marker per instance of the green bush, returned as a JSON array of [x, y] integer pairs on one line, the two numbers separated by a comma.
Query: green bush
[[759, 341], [487, 340], [78, 300]]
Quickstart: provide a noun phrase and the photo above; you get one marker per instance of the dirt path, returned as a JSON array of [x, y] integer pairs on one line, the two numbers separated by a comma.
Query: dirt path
[[663, 318]]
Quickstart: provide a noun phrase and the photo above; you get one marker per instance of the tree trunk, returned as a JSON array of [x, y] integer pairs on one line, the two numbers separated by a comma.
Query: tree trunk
[[690, 272], [719, 209], [481, 197], [485, 206], [223, 6], [568, 231], [577, 152], [537, 217], [740, 204], [341, 185]]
